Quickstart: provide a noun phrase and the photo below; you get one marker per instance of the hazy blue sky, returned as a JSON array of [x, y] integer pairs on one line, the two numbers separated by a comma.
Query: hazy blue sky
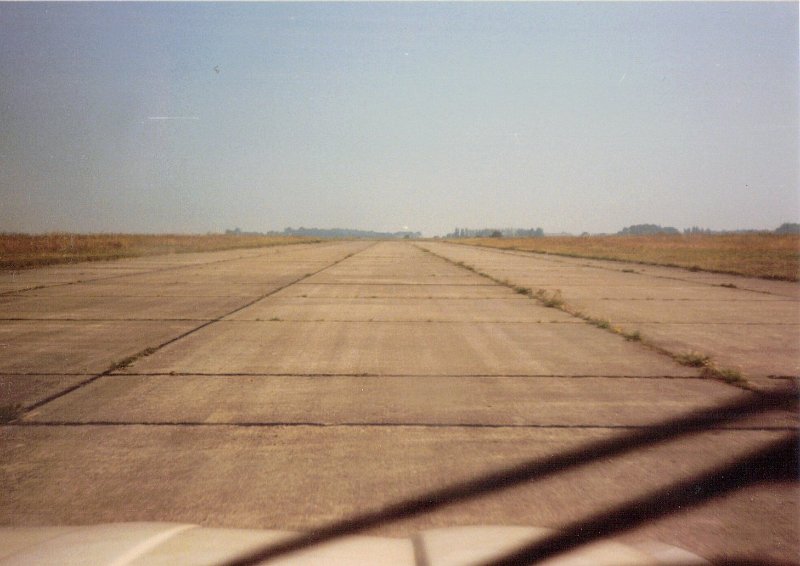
[[568, 116]]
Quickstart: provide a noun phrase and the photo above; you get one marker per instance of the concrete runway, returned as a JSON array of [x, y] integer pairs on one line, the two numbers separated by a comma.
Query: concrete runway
[[285, 387]]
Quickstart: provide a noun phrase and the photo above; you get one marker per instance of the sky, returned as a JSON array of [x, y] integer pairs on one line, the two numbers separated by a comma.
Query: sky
[[573, 117]]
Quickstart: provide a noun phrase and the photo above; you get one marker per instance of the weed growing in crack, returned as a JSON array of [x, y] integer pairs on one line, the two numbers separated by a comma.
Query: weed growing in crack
[[727, 375], [552, 300], [634, 336], [710, 370], [693, 359], [555, 300], [468, 267], [600, 323]]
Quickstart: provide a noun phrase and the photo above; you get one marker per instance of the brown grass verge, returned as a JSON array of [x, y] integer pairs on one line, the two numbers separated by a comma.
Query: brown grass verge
[[764, 255], [19, 251]]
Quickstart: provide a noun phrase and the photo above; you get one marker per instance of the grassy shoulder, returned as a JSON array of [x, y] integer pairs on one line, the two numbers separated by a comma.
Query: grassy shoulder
[[19, 251], [769, 256]]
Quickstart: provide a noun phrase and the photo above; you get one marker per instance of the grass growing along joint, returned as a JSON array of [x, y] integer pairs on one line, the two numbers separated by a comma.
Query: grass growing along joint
[[555, 300], [598, 322], [727, 375], [693, 359], [633, 336], [552, 300], [522, 290], [467, 267], [709, 368]]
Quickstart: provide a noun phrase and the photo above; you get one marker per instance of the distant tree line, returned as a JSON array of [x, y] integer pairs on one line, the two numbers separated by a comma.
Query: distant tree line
[[496, 233], [788, 228], [647, 229], [328, 233], [347, 233], [239, 232]]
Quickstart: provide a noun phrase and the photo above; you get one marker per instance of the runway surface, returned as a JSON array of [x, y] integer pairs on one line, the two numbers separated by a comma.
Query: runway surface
[[282, 388]]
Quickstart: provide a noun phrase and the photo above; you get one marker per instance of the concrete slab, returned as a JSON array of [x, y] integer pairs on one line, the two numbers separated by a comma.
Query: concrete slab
[[88, 307], [639, 292], [778, 312], [395, 291], [420, 267], [787, 289], [400, 348], [757, 332], [417, 400], [26, 390], [395, 278], [177, 288], [57, 347], [563, 266], [63, 274], [107, 270], [165, 265], [298, 477], [393, 309], [758, 350], [210, 276]]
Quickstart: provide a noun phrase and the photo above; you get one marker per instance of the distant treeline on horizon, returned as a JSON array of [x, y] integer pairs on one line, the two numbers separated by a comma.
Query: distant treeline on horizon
[[327, 233], [496, 233], [633, 230], [646, 229]]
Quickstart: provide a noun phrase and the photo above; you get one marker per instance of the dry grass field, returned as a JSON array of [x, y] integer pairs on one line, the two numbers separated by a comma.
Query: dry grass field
[[18, 251], [769, 256]]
